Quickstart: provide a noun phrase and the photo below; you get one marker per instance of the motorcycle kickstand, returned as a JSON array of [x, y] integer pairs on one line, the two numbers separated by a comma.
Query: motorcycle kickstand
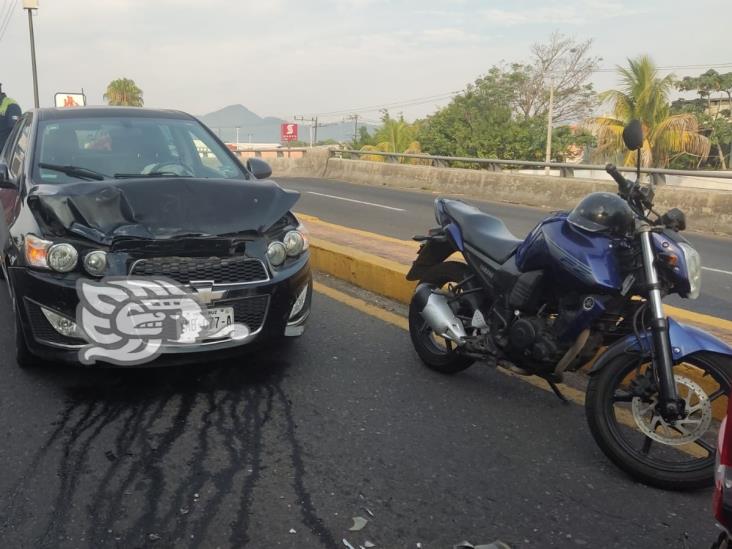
[[557, 391]]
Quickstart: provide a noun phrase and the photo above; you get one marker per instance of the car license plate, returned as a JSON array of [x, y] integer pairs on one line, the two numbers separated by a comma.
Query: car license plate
[[201, 327], [219, 317]]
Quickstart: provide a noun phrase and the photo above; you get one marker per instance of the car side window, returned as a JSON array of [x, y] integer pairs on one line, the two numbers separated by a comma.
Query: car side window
[[5, 152], [18, 153]]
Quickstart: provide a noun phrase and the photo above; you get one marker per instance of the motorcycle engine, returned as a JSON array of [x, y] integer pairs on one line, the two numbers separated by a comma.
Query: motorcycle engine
[[531, 339]]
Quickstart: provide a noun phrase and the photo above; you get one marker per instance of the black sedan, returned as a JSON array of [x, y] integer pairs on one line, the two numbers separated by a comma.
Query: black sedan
[[98, 200]]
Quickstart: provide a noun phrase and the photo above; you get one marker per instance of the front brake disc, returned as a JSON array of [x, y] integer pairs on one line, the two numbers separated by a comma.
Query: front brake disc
[[696, 420]]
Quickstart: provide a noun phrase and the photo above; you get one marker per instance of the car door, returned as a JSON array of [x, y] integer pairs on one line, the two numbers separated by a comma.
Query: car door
[[14, 157]]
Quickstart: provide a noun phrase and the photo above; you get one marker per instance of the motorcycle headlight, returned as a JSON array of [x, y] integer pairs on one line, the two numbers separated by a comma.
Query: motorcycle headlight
[[62, 257], [438, 212], [276, 253], [694, 268]]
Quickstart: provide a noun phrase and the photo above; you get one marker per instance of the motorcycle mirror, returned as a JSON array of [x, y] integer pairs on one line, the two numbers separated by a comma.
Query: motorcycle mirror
[[633, 135]]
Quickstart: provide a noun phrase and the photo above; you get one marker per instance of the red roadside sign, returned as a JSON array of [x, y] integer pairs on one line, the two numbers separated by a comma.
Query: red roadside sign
[[288, 132]]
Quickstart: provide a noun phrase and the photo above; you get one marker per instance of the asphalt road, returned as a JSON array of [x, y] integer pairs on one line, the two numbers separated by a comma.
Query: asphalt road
[[402, 214], [283, 449]]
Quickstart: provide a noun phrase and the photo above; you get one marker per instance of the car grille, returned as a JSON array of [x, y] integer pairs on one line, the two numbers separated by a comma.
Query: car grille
[[249, 311], [42, 329], [221, 270]]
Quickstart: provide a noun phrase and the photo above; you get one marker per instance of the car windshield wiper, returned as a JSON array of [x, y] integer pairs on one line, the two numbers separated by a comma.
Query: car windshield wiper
[[151, 174], [74, 171]]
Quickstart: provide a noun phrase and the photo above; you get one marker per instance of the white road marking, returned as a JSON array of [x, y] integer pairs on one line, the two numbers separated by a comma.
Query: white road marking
[[357, 201], [717, 271]]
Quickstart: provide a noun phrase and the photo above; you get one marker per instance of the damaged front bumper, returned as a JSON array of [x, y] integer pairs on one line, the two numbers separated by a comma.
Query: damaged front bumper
[[273, 308]]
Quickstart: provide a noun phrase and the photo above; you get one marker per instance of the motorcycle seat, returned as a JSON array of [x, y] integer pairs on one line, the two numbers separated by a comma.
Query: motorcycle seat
[[485, 232]]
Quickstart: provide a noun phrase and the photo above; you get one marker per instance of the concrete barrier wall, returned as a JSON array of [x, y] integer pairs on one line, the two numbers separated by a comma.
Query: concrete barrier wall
[[706, 210]]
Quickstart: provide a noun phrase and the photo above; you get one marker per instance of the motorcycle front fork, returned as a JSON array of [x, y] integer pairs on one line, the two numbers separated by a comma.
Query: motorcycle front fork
[[670, 406]]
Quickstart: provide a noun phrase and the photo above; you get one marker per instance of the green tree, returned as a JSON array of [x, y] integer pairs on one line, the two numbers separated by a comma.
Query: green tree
[[484, 122], [644, 95], [395, 135], [715, 123], [364, 138], [123, 92]]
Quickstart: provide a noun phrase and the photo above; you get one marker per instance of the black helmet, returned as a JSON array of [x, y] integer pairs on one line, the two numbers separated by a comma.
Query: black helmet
[[603, 213]]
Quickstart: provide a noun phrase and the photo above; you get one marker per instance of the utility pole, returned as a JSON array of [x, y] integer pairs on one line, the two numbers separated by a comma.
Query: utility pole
[[313, 124], [237, 138], [31, 5], [549, 126], [355, 118]]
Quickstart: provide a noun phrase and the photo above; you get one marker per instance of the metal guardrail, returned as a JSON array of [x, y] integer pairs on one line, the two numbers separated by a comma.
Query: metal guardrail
[[282, 152], [566, 169]]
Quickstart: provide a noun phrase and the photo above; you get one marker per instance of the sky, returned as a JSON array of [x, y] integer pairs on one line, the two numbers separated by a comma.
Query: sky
[[286, 58]]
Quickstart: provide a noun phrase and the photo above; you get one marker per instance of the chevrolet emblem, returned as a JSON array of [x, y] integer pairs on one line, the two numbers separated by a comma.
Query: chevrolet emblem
[[205, 292]]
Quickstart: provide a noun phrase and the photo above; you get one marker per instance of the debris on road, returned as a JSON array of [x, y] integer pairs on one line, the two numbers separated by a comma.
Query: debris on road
[[358, 524], [293, 531], [348, 545], [368, 545], [498, 544], [153, 537]]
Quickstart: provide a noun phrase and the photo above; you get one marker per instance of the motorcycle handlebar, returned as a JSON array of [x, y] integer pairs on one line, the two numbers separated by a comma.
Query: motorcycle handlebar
[[619, 179]]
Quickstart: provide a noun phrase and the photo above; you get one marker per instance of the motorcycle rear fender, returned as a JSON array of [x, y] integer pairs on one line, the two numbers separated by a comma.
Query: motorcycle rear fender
[[432, 252], [685, 341]]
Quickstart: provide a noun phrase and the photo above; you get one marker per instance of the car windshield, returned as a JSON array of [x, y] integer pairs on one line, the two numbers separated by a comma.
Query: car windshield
[[67, 150]]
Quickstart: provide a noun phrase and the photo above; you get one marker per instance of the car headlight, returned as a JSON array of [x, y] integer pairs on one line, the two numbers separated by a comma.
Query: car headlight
[[294, 243], [62, 257], [36, 251], [95, 262], [276, 253], [694, 268]]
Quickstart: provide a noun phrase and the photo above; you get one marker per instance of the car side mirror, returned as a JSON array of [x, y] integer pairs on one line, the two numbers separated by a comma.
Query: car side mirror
[[259, 168], [5, 182], [633, 135]]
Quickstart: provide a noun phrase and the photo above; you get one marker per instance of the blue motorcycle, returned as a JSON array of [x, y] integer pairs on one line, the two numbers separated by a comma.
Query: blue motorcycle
[[586, 284]]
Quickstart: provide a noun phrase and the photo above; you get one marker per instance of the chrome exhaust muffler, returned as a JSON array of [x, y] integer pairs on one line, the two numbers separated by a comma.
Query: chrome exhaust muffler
[[436, 311]]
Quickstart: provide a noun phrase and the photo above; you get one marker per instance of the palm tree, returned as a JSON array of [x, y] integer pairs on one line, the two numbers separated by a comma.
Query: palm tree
[[396, 135], [645, 95], [123, 92]]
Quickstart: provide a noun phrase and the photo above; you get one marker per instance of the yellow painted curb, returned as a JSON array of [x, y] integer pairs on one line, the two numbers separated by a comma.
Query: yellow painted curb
[[361, 269]]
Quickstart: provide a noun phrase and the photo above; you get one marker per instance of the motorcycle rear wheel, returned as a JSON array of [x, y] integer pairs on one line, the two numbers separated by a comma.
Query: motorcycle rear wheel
[[632, 434], [441, 356]]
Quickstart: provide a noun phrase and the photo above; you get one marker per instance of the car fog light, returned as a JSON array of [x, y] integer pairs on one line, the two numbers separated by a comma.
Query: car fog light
[[62, 257], [95, 263], [299, 302], [276, 253], [61, 324], [294, 243]]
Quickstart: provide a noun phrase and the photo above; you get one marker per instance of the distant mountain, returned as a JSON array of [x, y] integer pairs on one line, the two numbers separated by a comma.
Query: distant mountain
[[257, 129]]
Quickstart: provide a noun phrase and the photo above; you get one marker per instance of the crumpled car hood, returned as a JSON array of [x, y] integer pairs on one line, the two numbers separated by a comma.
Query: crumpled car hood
[[161, 208]]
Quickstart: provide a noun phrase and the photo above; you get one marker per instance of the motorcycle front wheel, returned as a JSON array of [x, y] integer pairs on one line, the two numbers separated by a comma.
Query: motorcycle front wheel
[[621, 411]]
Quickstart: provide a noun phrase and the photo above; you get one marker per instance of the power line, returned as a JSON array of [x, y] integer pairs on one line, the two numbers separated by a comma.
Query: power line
[[447, 95], [6, 18], [404, 103]]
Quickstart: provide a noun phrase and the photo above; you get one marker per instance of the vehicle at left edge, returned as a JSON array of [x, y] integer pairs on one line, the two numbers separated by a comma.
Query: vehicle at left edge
[[98, 192]]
